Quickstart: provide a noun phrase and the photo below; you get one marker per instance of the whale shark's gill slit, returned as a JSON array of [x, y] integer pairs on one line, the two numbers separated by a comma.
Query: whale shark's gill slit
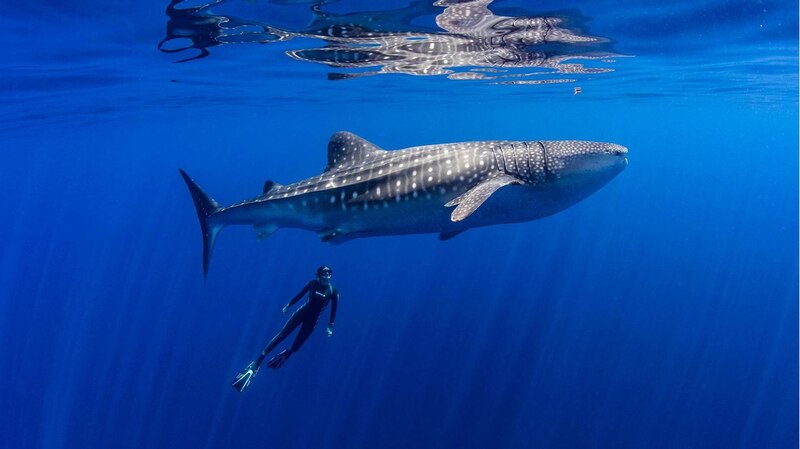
[[547, 175], [500, 167]]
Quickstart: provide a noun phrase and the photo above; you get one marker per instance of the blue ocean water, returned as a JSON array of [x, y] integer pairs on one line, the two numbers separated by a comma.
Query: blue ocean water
[[661, 312]]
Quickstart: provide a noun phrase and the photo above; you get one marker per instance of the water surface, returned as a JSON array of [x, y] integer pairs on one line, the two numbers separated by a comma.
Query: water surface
[[661, 312]]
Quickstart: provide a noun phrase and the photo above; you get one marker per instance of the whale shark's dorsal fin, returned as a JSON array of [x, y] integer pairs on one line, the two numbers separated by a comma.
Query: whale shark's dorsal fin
[[346, 148]]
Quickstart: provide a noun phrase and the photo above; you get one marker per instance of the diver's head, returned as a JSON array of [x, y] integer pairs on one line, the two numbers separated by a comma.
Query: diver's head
[[324, 274]]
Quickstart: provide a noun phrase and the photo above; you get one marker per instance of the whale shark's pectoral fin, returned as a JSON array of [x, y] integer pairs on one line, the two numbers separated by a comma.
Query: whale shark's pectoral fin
[[345, 149], [469, 201], [265, 230]]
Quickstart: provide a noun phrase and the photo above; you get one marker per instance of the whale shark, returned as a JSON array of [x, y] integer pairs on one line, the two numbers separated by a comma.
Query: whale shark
[[447, 189]]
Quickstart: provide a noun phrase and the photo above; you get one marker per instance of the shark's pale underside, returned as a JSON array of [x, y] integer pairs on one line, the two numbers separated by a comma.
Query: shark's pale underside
[[446, 189]]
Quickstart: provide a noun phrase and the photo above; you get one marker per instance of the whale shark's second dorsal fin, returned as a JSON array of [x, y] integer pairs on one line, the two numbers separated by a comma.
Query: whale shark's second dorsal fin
[[346, 148], [269, 186]]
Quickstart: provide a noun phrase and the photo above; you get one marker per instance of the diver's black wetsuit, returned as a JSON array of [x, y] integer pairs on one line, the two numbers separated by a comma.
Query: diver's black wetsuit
[[306, 315]]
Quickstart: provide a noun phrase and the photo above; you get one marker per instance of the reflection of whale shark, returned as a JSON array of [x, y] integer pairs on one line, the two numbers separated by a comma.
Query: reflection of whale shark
[[473, 37], [471, 42], [366, 191]]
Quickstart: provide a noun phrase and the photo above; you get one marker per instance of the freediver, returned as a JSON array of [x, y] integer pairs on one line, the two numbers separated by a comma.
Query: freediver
[[320, 293]]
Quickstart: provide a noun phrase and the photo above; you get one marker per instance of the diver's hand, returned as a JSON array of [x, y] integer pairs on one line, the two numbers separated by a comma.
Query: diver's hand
[[330, 330], [285, 309]]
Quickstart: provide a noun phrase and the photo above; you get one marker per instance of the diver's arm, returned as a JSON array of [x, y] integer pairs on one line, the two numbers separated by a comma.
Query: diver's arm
[[297, 297], [334, 305]]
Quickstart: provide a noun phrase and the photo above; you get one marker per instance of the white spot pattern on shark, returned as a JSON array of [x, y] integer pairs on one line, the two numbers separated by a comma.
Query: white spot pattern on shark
[[409, 191]]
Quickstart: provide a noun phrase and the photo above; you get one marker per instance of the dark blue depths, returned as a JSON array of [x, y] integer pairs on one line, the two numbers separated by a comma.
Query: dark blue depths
[[661, 312]]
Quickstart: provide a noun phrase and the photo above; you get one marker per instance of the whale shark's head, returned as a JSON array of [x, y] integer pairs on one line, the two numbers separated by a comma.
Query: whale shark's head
[[575, 169], [583, 164]]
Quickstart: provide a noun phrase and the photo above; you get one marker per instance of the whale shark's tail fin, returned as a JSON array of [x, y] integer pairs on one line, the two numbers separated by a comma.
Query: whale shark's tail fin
[[206, 206]]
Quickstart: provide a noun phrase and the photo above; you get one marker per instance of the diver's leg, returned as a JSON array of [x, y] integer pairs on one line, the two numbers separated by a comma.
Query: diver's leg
[[302, 335], [305, 330], [291, 325], [244, 378]]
